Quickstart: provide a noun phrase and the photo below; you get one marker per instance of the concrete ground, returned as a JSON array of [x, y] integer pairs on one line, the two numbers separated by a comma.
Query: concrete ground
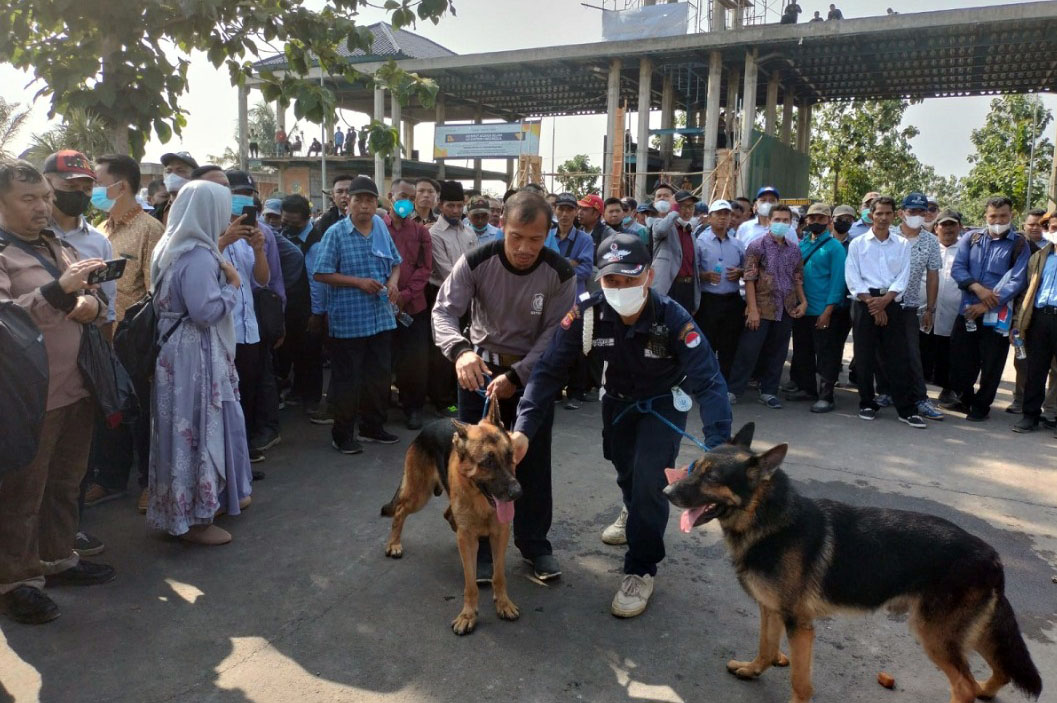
[[303, 605]]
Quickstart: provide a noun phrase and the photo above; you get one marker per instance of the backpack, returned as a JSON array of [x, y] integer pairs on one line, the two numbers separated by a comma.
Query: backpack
[[23, 386], [136, 340]]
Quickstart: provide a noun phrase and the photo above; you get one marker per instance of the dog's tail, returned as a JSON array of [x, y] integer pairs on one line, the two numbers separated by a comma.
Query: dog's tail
[[389, 509], [1010, 651]]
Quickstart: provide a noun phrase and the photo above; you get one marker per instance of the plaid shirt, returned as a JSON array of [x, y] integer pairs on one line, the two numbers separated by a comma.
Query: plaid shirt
[[351, 312]]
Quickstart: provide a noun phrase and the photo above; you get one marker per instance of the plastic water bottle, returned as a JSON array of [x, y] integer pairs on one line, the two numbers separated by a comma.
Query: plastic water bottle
[[970, 325], [1018, 345], [402, 317]]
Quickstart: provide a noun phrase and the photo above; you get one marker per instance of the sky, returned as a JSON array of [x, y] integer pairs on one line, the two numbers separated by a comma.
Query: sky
[[484, 25]]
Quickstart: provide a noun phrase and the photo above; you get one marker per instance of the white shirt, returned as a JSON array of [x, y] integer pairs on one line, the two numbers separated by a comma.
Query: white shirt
[[949, 297], [875, 264], [750, 230]]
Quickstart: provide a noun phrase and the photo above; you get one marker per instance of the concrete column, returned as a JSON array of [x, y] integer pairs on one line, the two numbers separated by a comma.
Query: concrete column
[[614, 131], [477, 162], [409, 138], [280, 123], [711, 124], [803, 126], [733, 82], [787, 117], [739, 16], [642, 153], [510, 173], [379, 116], [244, 127], [719, 16], [667, 118], [439, 120], [748, 117], [397, 121], [770, 113]]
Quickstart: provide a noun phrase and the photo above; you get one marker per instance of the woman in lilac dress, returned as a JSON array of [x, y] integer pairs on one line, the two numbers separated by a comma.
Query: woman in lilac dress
[[199, 461]]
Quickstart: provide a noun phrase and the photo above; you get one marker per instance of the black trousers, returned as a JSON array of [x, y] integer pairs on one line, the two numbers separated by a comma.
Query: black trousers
[[411, 347], [981, 353], [912, 327], [267, 400], [249, 362], [935, 358], [722, 318], [818, 352], [764, 348], [887, 346], [301, 353], [360, 370], [534, 509], [683, 293], [1041, 345], [442, 384]]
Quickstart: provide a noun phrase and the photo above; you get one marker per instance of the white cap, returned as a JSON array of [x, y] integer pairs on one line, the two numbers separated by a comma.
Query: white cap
[[718, 205]]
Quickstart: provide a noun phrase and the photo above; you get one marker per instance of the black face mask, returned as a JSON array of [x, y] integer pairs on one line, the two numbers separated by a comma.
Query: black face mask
[[816, 228], [72, 202], [453, 221], [841, 226]]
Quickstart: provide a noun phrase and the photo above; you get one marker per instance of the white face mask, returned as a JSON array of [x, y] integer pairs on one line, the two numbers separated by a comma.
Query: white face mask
[[764, 209], [626, 301], [914, 221], [174, 182], [1050, 237], [998, 229]]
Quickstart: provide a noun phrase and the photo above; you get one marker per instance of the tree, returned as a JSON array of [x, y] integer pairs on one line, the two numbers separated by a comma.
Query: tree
[[80, 130], [12, 120], [578, 176], [860, 146], [123, 68], [1003, 155], [261, 125]]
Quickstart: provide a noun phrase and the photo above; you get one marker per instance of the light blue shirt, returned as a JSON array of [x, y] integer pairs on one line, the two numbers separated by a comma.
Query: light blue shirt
[[240, 255], [317, 291], [490, 234], [551, 242], [1047, 294], [90, 243], [726, 254]]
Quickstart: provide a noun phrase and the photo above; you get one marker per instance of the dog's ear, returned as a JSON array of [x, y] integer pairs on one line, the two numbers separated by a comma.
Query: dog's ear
[[494, 417], [768, 462], [744, 437], [461, 431]]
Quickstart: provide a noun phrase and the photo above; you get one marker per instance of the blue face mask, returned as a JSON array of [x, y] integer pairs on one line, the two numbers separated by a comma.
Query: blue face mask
[[238, 202], [866, 216], [780, 229], [403, 208], [627, 220], [100, 200]]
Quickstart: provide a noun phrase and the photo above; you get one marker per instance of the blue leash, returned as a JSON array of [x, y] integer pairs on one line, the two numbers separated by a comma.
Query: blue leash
[[487, 399], [646, 406]]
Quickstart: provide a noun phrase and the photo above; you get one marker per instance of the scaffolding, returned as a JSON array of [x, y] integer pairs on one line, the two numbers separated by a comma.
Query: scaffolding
[[735, 12]]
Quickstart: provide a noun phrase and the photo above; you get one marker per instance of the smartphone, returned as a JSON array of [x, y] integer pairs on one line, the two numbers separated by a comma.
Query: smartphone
[[115, 268], [249, 214]]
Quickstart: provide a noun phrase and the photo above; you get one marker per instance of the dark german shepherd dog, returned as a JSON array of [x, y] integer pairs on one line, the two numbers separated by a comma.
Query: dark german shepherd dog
[[475, 465], [801, 559]]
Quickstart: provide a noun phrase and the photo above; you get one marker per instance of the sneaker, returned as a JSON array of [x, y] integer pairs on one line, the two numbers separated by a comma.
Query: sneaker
[[256, 456], [914, 421], [590, 396], [1013, 409], [265, 443], [823, 406], [28, 605], [798, 395], [1025, 425], [867, 414], [572, 403], [347, 446], [380, 436], [884, 400], [947, 397], [141, 504], [974, 416], [634, 594], [96, 494], [86, 545], [86, 573], [484, 573], [928, 411], [731, 398], [414, 420], [545, 567], [1048, 423], [753, 383], [322, 416], [789, 387], [771, 401], [617, 532]]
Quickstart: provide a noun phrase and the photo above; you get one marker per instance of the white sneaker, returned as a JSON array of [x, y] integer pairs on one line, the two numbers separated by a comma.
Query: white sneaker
[[616, 533], [634, 594]]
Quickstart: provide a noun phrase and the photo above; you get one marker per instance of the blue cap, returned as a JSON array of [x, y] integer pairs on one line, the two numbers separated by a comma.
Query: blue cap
[[646, 207], [768, 189], [700, 208], [915, 201]]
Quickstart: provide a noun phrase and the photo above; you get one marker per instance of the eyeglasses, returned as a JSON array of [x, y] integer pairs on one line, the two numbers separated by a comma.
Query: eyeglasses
[[934, 208]]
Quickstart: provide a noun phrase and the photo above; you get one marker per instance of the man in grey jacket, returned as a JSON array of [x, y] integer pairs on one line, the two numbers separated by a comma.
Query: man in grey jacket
[[674, 257]]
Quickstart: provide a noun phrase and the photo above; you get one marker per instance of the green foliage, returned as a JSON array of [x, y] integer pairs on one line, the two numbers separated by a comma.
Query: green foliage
[[125, 60], [1003, 152], [12, 120], [80, 130], [578, 176]]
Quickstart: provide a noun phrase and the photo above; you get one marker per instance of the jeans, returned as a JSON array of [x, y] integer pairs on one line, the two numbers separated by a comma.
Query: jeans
[[769, 345]]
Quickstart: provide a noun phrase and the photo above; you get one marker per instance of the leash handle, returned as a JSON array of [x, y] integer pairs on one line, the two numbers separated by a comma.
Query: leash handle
[[646, 406], [487, 399]]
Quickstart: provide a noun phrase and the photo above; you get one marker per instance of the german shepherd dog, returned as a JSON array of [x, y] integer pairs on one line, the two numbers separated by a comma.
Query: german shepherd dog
[[475, 465], [801, 559]]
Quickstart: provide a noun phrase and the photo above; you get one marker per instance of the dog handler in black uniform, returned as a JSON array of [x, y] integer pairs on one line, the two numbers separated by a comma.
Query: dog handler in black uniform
[[656, 357]]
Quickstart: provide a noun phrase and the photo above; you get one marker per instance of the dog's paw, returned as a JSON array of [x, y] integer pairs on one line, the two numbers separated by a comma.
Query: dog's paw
[[506, 609], [743, 670], [394, 551], [781, 660], [464, 623]]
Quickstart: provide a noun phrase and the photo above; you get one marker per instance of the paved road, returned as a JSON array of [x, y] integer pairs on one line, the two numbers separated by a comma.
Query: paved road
[[303, 606]]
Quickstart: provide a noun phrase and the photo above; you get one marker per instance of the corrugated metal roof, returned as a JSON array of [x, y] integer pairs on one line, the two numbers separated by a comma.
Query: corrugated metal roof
[[388, 43]]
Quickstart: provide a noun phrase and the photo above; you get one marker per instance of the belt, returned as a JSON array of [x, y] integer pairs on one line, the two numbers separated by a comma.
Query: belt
[[491, 357], [878, 292], [684, 279], [1047, 310]]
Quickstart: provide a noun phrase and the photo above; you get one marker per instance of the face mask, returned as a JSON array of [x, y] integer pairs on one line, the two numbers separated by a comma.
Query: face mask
[[650, 221], [780, 229], [627, 220], [238, 202], [816, 228], [1050, 237], [914, 221], [998, 229], [682, 222], [866, 216], [453, 221], [841, 226], [100, 200], [72, 203], [764, 209], [174, 182], [625, 301], [403, 208], [479, 230]]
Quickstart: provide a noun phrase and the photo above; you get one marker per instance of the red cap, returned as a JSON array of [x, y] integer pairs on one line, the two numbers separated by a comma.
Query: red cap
[[69, 164], [592, 200]]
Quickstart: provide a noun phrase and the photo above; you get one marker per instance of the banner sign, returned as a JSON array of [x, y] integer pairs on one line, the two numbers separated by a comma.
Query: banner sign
[[646, 22], [504, 140]]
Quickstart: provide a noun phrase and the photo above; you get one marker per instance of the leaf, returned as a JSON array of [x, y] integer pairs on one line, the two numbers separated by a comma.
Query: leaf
[[163, 131]]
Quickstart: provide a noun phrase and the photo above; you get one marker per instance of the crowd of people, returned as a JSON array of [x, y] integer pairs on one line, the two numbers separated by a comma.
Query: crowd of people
[[427, 297]]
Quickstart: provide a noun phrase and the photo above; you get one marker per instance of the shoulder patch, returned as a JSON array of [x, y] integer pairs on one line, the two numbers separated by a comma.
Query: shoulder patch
[[689, 335], [570, 317]]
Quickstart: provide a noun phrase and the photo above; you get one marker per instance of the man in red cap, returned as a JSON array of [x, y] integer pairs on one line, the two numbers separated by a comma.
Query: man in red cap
[[591, 209]]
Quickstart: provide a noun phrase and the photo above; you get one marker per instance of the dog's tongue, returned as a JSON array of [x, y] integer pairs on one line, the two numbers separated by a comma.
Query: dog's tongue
[[689, 517], [504, 511]]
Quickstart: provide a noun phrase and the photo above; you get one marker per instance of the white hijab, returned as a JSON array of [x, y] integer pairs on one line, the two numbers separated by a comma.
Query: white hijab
[[197, 218]]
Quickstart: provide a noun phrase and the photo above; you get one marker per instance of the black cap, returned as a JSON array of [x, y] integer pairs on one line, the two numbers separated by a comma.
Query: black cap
[[363, 184], [629, 203], [567, 199], [451, 191], [621, 253], [179, 156], [684, 195], [240, 180]]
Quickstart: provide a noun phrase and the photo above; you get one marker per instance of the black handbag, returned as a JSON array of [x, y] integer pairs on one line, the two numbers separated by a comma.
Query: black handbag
[[271, 318], [99, 367]]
